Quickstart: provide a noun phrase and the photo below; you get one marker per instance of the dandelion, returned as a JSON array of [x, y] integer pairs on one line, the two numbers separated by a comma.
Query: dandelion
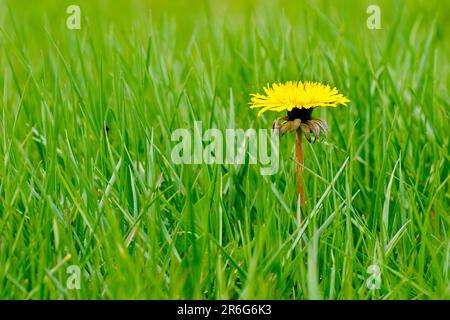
[[299, 100]]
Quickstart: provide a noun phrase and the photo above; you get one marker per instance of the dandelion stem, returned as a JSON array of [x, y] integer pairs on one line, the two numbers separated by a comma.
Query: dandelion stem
[[299, 166]]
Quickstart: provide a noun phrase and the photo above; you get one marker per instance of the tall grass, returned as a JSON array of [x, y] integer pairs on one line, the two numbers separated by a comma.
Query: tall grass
[[86, 176]]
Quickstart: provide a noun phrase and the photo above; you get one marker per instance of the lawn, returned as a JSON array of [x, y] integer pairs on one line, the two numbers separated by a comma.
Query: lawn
[[92, 205]]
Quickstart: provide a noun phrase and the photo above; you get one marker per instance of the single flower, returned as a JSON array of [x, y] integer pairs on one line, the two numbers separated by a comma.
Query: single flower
[[298, 99]]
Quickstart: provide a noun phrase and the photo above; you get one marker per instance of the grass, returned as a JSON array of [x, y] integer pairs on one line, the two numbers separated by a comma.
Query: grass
[[141, 227]]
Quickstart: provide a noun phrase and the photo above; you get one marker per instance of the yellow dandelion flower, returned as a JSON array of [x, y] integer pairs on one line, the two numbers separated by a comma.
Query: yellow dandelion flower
[[298, 99], [297, 95]]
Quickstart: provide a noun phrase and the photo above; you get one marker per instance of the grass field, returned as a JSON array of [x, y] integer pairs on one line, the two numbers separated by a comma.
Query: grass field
[[86, 177]]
